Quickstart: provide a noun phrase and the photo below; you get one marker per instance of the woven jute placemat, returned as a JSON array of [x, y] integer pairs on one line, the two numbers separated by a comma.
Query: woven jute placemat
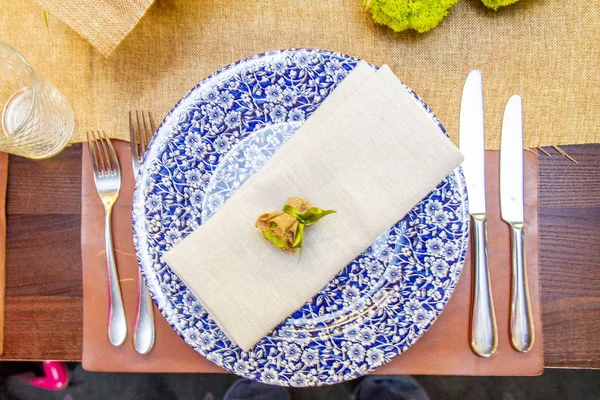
[[104, 23]]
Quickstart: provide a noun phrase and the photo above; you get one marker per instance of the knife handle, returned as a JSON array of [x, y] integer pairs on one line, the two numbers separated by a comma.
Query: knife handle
[[521, 321], [484, 332]]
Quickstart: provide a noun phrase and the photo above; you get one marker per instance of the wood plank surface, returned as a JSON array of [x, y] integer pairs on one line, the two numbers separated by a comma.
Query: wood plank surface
[[44, 298], [570, 257], [44, 295]]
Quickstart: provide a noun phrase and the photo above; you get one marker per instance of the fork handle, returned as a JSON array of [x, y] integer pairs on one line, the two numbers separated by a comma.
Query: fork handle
[[117, 324], [143, 337]]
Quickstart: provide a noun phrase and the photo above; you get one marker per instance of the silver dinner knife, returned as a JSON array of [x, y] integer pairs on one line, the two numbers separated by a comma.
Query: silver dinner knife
[[484, 332], [511, 205]]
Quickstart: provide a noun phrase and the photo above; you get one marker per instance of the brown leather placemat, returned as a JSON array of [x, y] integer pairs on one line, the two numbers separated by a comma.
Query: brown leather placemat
[[3, 187], [171, 353], [444, 349]]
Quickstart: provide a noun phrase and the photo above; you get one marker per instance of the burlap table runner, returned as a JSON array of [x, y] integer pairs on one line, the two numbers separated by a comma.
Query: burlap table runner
[[104, 23], [546, 50]]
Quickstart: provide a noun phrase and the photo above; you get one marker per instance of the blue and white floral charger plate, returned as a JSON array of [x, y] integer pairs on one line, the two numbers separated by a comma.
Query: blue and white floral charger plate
[[218, 135]]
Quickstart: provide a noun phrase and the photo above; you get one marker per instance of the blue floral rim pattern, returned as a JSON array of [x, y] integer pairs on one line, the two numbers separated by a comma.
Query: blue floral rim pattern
[[220, 133]]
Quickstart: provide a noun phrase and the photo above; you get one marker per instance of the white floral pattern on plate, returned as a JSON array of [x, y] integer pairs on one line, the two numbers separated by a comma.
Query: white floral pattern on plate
[[219, 134]]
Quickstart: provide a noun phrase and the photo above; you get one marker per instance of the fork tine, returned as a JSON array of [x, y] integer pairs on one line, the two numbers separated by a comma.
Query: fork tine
[[140, 134], [92, 152], [144, 134], [152, 125], [97, 151], [102, 168], [133, 137], [113, 155], [105, 153], [148, 132]]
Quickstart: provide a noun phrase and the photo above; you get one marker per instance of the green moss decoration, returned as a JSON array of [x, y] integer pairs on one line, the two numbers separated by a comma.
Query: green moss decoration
[[496, 4], [420, 15]]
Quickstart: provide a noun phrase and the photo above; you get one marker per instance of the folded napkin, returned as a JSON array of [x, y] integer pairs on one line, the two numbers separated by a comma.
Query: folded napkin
[[369, 151], [104, 23]]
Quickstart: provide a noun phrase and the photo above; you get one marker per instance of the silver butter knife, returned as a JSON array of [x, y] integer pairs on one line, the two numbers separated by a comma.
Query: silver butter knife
[[511, 205], [484, 332]]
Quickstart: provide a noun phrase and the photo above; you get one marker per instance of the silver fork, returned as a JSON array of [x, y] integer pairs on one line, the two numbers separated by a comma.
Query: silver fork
[[144, 334], [107, 177]]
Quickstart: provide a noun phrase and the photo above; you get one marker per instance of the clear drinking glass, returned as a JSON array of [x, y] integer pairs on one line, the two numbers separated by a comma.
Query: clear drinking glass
[[37, 120]]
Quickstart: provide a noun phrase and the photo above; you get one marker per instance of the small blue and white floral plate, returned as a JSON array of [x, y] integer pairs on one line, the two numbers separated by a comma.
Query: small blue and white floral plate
[[218, 135]]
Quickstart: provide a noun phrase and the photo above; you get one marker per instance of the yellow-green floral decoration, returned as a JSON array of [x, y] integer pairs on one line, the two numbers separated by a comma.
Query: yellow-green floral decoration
[[420, 15], [285, 228], [496, 4]]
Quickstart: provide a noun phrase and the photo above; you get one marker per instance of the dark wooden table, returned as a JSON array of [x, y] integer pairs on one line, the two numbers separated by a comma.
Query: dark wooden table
[[44, 294]]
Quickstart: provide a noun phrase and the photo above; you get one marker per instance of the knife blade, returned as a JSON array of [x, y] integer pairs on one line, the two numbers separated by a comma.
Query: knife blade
[[484, 331], [511, 206]]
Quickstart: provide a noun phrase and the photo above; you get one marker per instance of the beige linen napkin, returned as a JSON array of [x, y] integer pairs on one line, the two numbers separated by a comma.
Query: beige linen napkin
[[104, 23], [370, 152]]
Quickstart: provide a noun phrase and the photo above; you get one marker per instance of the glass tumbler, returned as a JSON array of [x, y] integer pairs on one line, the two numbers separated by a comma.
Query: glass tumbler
[[37, 120]]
